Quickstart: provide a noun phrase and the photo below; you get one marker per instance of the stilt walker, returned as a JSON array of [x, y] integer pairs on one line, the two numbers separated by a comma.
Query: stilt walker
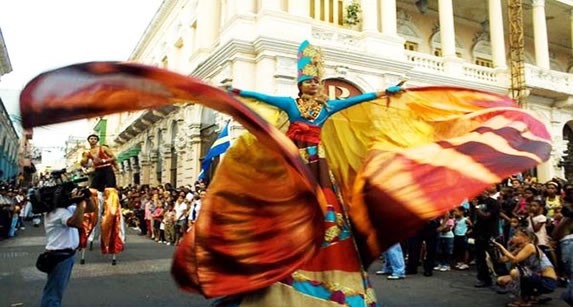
[[104, 182]]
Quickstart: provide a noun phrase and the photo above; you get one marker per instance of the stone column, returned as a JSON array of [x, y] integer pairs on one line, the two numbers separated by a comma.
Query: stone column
[[496, 36], [540, 34], [153, 157], [299, 7], [571, 20], [166, 163], [228, 9], [447, 32], [145, 168], [243, 6], [207, 23], [265, 69], [316, 9], [128, 173], [369, 16], [388, 13], [194, 149], [270, 5]]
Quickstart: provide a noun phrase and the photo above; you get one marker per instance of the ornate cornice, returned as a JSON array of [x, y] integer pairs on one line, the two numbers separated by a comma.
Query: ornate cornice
[[160, 18]]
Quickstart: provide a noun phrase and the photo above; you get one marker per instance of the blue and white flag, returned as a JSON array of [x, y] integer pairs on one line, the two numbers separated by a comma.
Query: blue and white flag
[[219, 147]]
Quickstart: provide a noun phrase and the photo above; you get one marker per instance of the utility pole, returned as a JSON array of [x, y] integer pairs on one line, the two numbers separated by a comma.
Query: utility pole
[[516, 50]]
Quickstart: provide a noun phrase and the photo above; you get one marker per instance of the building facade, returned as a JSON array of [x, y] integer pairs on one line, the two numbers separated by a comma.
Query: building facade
[[251, 45], [8, 135], [9, 144]]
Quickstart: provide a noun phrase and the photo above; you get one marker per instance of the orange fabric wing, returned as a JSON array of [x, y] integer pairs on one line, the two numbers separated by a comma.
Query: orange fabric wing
[[111, 236], [257, 224], [259, 220], [405, 161], [90, 220]]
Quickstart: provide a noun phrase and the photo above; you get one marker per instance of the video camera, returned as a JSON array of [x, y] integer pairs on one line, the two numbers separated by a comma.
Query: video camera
[[57, 192]]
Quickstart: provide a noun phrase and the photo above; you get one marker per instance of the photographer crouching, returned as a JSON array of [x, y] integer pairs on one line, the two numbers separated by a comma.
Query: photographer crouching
[[533, 270], [61, 220]]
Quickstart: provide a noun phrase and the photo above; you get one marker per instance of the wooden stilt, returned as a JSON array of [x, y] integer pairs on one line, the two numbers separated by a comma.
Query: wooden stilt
[[83, 256]]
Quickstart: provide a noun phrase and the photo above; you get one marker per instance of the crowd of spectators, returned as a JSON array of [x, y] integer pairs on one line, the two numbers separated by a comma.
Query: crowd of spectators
[[517, 226], [162, 213], [14, 207]]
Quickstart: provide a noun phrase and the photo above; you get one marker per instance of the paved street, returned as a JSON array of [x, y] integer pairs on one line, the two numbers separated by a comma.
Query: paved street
[[141, 278]]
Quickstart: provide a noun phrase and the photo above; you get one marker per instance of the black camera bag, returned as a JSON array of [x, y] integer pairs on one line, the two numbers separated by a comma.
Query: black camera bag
[[48, 260]]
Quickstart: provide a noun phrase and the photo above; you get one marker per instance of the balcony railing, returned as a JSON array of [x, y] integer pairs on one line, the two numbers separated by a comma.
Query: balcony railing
[[552, 80], [480, 73], [425, 61], [351, 40]]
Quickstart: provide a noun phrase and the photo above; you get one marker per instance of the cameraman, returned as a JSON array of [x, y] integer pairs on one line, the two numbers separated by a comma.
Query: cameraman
[[62, 237], [486, 228]]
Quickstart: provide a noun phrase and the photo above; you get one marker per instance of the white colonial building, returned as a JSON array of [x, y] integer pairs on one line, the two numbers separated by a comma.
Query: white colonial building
[[252, 45]]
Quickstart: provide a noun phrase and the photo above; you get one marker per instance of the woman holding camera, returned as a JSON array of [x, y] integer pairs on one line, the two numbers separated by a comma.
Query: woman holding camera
[[534, 271]]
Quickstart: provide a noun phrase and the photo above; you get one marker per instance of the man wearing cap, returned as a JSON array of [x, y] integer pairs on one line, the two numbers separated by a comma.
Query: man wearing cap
[[103, 162]]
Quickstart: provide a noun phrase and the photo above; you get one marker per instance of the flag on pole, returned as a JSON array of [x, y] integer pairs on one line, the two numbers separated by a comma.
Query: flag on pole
[[219, 147]]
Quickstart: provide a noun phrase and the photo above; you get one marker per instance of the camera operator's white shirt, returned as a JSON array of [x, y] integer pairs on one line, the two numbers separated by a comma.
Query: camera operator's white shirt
[[58, 233]]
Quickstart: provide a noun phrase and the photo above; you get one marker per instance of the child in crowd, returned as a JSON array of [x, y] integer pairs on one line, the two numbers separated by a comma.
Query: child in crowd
[[157, 217], [538, 224], [514, 225], [169, 222], [445, 247], [552, 198], [461, 225], [527, 196]]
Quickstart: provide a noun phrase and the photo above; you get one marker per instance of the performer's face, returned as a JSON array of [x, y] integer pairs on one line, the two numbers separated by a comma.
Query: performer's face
[[309, 87], [92, 140]]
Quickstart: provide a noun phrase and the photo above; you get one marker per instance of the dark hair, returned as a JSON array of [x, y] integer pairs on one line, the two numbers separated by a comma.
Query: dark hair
[[528, 233], [532, 190], [94, 135]]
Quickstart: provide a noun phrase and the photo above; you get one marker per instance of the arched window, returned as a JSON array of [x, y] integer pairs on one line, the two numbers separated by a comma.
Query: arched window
[[407, 30], [481, 53], [436, 44], [554, 65]]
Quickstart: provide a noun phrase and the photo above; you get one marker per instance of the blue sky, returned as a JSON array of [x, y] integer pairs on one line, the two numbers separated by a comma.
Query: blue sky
[[45, 34]]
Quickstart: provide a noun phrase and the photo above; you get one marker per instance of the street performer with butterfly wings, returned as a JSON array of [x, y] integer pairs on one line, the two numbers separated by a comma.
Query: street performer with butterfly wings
[[399, 159]]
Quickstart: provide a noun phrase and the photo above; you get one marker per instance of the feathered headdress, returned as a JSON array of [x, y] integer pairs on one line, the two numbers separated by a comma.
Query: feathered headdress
[[310, 62]]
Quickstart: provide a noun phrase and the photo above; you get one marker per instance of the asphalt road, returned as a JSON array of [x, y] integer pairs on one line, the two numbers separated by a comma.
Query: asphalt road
[[142, 278]]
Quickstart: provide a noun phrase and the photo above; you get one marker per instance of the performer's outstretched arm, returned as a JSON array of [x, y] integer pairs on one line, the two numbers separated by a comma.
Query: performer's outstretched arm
[[339, 105], [279, 102]]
